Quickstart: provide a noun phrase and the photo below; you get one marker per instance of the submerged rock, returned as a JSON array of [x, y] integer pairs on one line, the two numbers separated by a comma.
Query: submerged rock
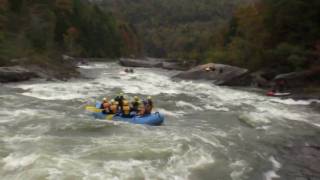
[[220, 74], [15, 74]]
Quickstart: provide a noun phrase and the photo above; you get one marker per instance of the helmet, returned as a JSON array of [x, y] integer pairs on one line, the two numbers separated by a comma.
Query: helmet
[[112, 101], [149, 98], [105, 99], [136, 98], [120, 94]]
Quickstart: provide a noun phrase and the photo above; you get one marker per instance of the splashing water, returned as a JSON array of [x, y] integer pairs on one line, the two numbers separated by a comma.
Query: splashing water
[[210, 132]]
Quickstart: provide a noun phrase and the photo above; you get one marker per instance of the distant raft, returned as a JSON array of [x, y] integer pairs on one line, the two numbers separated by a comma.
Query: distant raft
[[278, 94], [154, 119]]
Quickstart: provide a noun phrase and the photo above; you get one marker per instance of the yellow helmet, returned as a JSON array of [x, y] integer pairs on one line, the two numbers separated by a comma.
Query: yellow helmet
[[105, 99], [136, 98], [120, 94], [149, 97]]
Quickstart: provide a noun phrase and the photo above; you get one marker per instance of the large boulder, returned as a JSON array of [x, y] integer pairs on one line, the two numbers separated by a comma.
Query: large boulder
[[220, 74], [157, 63], [148, 63], [175, 66], [260, 79], [301, 78], [15, 74]]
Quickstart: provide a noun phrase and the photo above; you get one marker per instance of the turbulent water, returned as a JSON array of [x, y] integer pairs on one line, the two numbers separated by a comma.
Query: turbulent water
[[210, 132]]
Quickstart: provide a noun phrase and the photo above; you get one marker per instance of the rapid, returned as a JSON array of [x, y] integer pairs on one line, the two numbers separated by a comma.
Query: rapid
[[210, 132]]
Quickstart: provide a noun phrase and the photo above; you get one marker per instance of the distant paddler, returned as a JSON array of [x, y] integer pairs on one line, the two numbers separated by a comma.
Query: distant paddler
[[148, 105], [105, 105], [135, 104], [120, 99]]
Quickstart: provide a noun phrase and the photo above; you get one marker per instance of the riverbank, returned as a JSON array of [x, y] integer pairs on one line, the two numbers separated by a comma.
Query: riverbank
[[302, 85], [24, 69]]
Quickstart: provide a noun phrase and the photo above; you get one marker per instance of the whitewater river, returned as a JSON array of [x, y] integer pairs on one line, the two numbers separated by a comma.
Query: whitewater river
[[210, 132]]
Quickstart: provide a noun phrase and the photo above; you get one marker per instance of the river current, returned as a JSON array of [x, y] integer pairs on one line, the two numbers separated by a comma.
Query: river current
[[210, 132]]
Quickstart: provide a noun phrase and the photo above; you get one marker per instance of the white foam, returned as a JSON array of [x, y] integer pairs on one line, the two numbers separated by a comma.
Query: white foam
[[186, 104], [171, 113], [96, 65], [15, 161], [239, 168], [212, 107], [276, 165], [272, 174], [295, 102]]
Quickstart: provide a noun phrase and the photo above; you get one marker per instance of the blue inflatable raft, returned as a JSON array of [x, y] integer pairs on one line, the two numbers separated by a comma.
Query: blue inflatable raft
[[154, 119]]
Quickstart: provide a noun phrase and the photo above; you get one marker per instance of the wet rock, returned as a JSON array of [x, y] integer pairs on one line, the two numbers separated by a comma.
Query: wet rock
[[175, 66], [220, 74], [15, 74], [157, 63], [148, 63], [260, 79], [301, 161], [301, 78]]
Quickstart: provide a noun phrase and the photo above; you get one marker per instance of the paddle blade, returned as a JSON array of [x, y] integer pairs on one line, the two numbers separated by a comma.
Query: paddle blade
[[109, 117], [93, 109]]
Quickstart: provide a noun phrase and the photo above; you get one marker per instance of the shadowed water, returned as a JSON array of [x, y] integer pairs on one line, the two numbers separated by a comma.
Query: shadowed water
[[210, 132]]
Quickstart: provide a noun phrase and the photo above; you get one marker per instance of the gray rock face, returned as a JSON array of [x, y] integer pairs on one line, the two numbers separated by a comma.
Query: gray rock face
[[220, 74], [174, 66], [300, 79], [156, 63], [15, 74], [140, 63]]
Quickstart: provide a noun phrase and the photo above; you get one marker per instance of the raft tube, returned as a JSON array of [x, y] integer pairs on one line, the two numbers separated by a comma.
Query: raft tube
[[154, 119]]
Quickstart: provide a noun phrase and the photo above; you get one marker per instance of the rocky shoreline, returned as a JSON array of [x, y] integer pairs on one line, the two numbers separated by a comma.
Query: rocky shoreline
[[63, 70], [302, 85]]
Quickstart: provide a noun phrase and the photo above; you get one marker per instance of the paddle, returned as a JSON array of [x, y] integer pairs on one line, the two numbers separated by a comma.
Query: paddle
[[93, 109], [96, 110], [110, 116]]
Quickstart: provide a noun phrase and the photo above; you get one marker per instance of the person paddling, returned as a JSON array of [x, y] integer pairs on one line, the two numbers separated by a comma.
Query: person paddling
[[135, 104], [114, 107], [120, 99], [148, 105], [105, 105], [125, 109]]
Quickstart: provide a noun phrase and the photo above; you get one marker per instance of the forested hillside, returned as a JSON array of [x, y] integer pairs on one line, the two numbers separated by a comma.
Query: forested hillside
[[42, 30], [174, 28], [282, 34], [251, 34]]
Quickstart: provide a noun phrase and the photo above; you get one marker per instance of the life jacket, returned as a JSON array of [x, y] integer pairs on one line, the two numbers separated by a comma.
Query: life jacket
[[126, 109], [114, 108]]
